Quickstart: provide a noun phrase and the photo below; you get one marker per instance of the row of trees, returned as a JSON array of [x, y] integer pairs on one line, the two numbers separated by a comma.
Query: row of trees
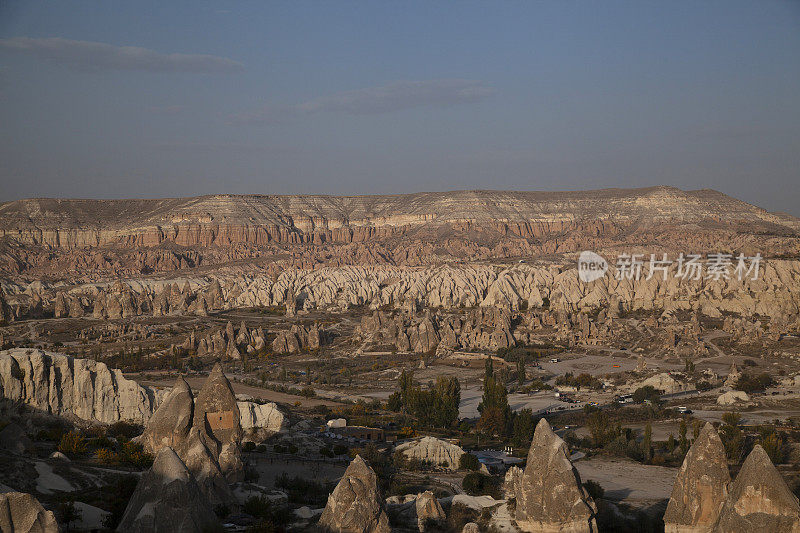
[[434, 407]]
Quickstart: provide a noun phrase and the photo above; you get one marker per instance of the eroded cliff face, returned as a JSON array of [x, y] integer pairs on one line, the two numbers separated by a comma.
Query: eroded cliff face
[[225, 220], [60, 385]]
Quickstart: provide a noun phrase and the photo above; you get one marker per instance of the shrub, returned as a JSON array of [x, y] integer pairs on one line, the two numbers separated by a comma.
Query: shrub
[[72, 443], [339, 449], [469, 462], [647, 392], [107, 456], [751, 383], [249, 446], [477, 484]]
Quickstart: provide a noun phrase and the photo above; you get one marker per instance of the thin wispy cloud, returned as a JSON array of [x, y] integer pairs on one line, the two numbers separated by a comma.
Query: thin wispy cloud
[[395, 96], [94, 56]]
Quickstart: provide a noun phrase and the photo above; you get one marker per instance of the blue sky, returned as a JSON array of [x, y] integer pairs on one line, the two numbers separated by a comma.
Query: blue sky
[[149, 99]]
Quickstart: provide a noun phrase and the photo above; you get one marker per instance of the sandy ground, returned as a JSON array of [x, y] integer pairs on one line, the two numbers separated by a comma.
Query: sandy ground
[[48, 481], [626, 481], [471, 397], [256, 392], [91, 517], [270, 467]]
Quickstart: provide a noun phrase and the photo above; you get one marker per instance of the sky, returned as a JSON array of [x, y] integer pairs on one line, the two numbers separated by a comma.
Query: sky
[[162, 99]]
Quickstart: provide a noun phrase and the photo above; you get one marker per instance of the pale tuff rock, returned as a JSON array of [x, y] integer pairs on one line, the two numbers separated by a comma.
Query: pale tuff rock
[[205, 432], [759, 501], [22, 513], [355, 506], [60, 385], [663, 382], [549, 494], [471, 527], [297, 339], [428, 510], [265, 416], [700, 487], [167, 499], [733, 376], [434, 451], [733, 397], [775, 294]]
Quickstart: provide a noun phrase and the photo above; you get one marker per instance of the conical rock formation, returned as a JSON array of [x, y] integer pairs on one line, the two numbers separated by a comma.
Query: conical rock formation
[[167, 499], [355, 506], [22, 513], [759, 501], [700, 487], [549, 494], [170, 424]]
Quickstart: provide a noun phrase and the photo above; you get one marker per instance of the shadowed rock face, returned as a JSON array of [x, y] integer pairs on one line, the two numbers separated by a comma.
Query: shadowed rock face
[[205, 433], [216, 414], [355, 506], [428, 510], [549, 494], [216, 410], [700, 487], [172, 421], [759, 500], [167, 499], [22, 513]]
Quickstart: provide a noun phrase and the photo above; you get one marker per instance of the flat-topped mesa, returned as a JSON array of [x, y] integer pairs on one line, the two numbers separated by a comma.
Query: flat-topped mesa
[[549, 494], [355, 505], [700, 487], [759, 501], [224, 220]]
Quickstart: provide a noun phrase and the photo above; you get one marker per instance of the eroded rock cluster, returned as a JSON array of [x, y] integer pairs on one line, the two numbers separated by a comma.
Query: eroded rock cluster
[[60, 385], [704, 499], [204, 431]]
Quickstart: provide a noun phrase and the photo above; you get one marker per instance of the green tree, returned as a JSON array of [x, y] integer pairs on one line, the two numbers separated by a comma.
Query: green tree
[[523, 428], [647, 442], [447, 391], [684, 442], [647, 392], [773, 445], [521, 370], [732, 436], [494, 406], [405, 385]]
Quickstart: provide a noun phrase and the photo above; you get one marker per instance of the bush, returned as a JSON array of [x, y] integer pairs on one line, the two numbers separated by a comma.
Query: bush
[[750, 383], [469, 462], [477, 484], [72, 443], [645, 393], [339, 449], [249, 446]]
